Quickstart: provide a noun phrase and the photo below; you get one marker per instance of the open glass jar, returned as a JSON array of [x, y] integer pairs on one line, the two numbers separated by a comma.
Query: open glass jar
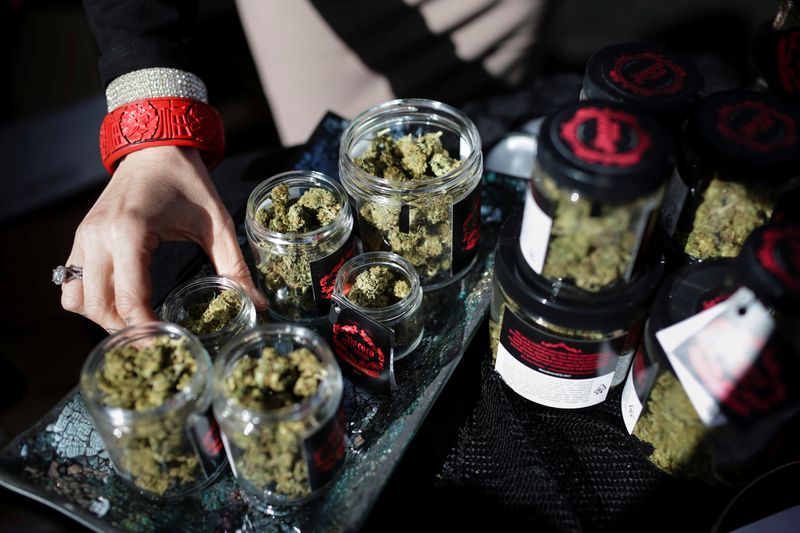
[[297, 269], [596, 188], [739, 153], [278, 399], [214, 308], [148, 391], [568, 350], [385, 288], [432, 221]]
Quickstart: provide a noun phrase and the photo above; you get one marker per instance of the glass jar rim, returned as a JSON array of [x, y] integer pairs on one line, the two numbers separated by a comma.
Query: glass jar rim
[[198, 385], [295, 178], [360, 262], [330, 386], [433, 112], [210, 283]]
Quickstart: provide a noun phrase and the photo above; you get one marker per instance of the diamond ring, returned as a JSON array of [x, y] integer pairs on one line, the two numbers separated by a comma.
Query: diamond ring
[[63, 274]]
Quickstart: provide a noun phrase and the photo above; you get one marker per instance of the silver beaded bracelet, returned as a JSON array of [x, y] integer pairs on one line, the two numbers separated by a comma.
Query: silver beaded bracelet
[[154, 83]]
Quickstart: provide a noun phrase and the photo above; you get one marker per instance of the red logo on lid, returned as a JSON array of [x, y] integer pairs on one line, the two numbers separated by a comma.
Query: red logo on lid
[[789, 62], [606, 137], [784, 266], [756, 125], [648, 74]]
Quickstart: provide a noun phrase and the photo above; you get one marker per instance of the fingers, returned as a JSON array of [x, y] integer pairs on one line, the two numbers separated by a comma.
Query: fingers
[[72, 291], [221, 245], [98, 292], [132, 284]]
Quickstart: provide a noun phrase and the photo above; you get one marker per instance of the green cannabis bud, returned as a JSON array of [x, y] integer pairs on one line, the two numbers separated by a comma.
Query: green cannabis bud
[[156, 453], [593, 250], [427, 241], [378, 286], [214, 316], [286, 269], [271, 455], [728, 213]]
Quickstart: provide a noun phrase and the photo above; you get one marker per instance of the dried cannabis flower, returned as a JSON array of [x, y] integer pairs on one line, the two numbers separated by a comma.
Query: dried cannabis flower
[[378, 286], [156, 453], [218, 313], [272, 456], [728, 213], [427, 242], [286, 270], [592, 250]]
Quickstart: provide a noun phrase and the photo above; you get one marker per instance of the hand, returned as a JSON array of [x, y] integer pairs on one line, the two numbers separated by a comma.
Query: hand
[[158, 193]]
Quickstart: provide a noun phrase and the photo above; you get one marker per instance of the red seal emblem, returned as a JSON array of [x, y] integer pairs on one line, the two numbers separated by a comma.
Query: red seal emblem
[[757, 126], [648, 74], [605, 136], [789, 62]]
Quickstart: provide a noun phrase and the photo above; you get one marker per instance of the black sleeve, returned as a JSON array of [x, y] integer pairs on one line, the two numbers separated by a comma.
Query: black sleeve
[[137, 34]]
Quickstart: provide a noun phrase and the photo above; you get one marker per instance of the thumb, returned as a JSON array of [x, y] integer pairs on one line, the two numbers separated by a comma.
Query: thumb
[[223, 249]]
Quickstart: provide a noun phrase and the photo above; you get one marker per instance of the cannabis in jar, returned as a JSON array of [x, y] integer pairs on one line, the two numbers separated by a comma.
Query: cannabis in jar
[[378, 286], [204, 319]]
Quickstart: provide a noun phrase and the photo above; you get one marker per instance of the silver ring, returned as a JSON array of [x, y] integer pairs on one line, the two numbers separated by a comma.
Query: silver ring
[[62, 274]]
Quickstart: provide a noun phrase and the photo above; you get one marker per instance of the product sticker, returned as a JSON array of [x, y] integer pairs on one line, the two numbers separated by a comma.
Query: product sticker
[[229, 453], [205, 437], [364, 346], [534, 237], [324, 450], [323, 274], [640, 381], [715, 355], [553, 371], [466, 229]]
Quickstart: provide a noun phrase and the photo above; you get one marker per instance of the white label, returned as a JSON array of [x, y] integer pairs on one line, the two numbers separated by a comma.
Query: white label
[[535, 234], [550, 390], [623, 365], [631, 406], [732, 353], [227, 447]]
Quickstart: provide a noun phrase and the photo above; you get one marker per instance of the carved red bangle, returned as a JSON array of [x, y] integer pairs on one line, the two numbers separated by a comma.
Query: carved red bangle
[[164, 121]]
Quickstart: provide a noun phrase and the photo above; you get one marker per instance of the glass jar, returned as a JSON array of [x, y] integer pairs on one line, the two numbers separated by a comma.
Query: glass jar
[[297, 271], [720, 415], [644, 76], [285, 453], [434, 223], [563, 351], [164, 442], [596, 187], [403, 317], [739, 153], [198, 305]]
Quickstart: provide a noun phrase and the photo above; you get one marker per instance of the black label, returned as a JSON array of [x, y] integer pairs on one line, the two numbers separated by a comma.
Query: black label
[[404, 223], [207, 442], [559, 356], [750, 377], [364, 346], [323, 274], [466, 229], [324, 450]]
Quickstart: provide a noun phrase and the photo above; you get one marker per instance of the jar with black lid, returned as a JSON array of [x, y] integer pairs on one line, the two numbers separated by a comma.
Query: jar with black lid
[[565, 351], [644, 76], [777, 51], [739, 153], [596, 188], [714, 397]]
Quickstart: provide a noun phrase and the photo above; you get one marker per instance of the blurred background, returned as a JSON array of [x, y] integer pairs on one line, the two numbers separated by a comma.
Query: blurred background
[[51, 171]]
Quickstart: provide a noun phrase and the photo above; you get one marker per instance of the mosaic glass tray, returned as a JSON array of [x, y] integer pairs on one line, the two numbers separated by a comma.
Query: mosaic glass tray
[[61, 462]]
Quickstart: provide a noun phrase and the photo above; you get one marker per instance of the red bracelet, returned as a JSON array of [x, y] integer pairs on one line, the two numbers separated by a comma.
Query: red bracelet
[[162, 122]]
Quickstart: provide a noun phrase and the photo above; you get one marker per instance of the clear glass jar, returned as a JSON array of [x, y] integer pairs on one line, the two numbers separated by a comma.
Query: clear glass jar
[[596, 188], [403, 317], [433, 223], [562, 351], [289, 454], [167, 450], [188, 306], [297, 271], [739, 153]]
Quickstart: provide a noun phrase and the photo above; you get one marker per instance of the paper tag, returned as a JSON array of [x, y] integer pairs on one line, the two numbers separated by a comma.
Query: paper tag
[[229, 453], [324, 450], [712, 351], [640, 381], [534, 235], [323, 274], [364, 346]]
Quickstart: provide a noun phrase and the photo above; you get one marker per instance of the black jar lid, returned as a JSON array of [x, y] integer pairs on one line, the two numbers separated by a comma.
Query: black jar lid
[[602, 311], [769, 265], [777, 55], [692, 289], [609, 152], [642, 75], [747, 133]]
